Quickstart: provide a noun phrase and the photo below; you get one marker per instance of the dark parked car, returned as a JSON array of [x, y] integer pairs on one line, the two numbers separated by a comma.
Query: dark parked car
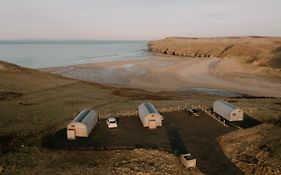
[[193, 111]]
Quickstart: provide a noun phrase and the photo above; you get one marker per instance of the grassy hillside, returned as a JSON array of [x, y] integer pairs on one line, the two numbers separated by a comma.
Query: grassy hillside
[[35, 104], [253, 49]]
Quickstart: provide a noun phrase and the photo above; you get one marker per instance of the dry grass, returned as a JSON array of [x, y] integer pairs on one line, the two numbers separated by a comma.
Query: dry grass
[[35, 104], [256, 150], [32, 96], [48, 102], [34, 161]]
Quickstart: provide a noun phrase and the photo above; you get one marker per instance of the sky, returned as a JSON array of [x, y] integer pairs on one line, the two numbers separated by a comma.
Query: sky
[[137, 19]]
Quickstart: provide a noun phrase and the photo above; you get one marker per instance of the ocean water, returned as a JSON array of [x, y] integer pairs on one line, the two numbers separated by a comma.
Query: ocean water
[[54, 53]]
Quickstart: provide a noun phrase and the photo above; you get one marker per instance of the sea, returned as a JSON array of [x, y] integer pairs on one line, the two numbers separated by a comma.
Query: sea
[[56, 53]]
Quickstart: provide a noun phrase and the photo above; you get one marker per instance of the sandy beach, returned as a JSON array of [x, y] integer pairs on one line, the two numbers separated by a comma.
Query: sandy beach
[[169, 73]]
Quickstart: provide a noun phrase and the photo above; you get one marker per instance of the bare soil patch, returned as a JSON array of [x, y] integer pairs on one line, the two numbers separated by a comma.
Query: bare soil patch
[[6, 95], [7, 144]]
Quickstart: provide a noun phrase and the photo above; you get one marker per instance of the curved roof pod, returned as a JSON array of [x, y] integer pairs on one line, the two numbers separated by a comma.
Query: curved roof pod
[[82, 124], [149, 115], [228, 111]]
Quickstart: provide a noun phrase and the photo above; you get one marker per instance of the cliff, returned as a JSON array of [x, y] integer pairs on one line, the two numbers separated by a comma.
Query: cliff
[[263, 51]]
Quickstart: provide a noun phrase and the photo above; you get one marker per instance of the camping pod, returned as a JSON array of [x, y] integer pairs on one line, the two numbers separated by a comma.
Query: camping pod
[[228, 111], [82, 124], [149, 116]]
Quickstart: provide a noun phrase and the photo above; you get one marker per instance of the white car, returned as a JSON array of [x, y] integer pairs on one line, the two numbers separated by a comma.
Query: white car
[[111, 122]]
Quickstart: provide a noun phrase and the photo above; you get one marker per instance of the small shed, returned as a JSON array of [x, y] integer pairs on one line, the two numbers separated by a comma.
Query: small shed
[[82, 124], [149, 116], [228, 111], [188, 161]]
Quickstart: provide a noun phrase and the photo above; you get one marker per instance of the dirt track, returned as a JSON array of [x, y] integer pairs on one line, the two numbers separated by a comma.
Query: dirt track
[[180, 132]]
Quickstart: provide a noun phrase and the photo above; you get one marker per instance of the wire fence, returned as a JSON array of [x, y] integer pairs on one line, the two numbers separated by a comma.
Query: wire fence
[[128, 113], [215, 116], [167, 108]]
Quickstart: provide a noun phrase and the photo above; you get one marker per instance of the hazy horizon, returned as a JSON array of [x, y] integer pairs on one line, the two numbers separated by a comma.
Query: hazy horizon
[[112, 40], [137, 19]]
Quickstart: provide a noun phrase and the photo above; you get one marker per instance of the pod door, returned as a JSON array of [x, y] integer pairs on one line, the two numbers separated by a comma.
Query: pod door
[[152, 124], [71, 134]]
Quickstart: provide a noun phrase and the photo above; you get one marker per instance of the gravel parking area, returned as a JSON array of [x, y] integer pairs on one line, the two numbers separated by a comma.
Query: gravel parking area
[[180, 133]]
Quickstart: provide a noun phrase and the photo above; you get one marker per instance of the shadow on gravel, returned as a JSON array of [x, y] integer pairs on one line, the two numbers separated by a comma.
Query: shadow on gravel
[[248, 122], [176, 142]]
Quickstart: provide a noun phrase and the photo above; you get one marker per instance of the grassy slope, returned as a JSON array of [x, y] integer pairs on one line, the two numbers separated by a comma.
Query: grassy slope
[[47, 101], [31, 101], [256, 150], [34, 104]]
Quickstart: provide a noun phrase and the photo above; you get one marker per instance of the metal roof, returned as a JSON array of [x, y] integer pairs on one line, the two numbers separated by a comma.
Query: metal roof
[[82, 115], [150, 108], [228, 104]]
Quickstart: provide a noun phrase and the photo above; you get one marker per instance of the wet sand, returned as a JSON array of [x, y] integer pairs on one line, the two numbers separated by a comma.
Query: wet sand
[[167, 73]]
